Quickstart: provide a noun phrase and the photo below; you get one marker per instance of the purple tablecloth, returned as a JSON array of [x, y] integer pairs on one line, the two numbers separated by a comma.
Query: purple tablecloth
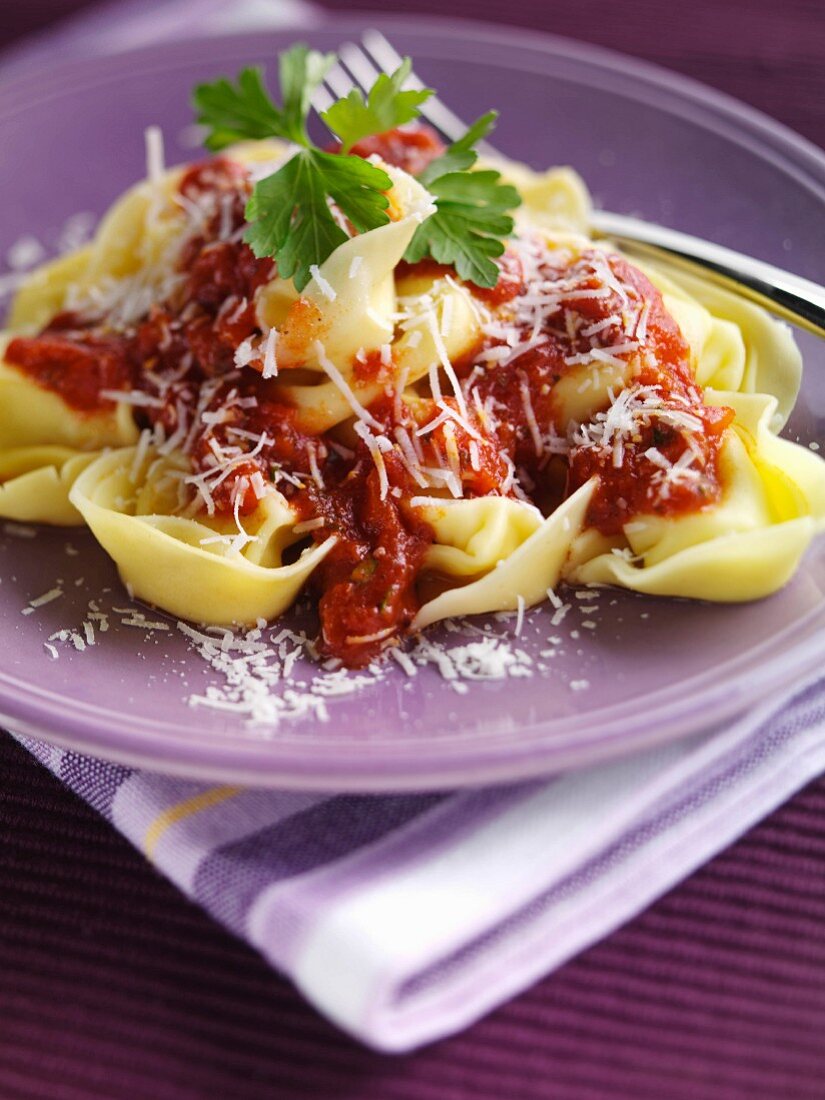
[[112, 985]]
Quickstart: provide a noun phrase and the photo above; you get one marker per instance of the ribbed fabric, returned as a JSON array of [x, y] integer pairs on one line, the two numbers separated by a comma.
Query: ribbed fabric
[[112, 985]]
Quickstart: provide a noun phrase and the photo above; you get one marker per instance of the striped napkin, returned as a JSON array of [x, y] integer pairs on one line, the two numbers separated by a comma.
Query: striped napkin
[[404, 918]]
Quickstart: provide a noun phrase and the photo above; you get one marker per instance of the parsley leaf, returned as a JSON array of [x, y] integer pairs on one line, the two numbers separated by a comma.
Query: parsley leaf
[[471, 211], [387, 105], [460, 156], [246, 111], [236, 113], [290, 217], [290, 212], [301, 70]]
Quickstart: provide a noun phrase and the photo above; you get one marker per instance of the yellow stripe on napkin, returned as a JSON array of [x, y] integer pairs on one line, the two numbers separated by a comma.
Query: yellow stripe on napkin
[[182, 810]]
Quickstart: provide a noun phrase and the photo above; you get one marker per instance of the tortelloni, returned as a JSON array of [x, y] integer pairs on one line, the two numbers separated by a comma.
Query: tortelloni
[[555, 200], [410, 445], [504, 551], [347, 309], [735, 346], [35, 483], [196, 568], [44, 444], [46, 440], [747, 546]]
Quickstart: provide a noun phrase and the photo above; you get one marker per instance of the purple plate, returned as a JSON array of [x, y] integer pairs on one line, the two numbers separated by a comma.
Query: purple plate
[[647, 142]]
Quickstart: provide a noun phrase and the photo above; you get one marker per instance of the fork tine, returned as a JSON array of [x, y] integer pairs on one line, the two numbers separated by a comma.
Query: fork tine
[[339, 80], [359, 64], [337, 83], [322, 98], [358, 73], [382, 53], [364, 63]]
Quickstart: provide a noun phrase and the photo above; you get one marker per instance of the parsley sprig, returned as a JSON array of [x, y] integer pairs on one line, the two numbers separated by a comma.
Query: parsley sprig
[[289, 211], [471, 216], [387, 105]]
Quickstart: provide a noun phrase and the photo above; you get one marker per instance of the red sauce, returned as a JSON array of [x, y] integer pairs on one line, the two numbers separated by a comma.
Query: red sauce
[[367, 581], [635, 486], [372, 367], [77, 364], [215, 175], [182, 356], [78, 357], [411, 148], [509, 285]]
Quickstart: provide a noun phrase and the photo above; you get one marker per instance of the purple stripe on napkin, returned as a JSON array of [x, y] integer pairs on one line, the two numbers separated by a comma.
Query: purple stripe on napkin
[[95, 780], [230, 878], [284, 910]]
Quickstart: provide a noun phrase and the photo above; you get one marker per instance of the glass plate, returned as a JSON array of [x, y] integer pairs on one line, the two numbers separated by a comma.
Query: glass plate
[[647, 142]]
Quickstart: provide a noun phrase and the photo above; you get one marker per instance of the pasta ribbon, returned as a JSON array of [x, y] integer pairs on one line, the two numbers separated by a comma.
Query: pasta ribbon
[[736, 346], [35, 483], [44, 444]]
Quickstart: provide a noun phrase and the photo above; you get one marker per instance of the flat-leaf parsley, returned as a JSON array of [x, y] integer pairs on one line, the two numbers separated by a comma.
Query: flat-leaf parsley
[[471, 216], [290, 212], [387, 105]]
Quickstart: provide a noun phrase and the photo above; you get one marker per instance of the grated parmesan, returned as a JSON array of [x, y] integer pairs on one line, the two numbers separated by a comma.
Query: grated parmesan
[[323, 285]]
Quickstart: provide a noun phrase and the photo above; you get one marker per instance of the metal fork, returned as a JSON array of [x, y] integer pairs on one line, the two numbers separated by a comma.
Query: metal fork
[[782, 293]]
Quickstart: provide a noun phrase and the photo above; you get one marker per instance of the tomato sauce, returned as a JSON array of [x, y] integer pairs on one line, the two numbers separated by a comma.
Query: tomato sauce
[[411, 147], [510, 283], [524, 391], [368, 580], [77, 364], [628, 490]]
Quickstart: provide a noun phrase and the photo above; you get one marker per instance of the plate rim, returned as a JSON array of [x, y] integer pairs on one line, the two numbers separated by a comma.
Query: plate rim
[[499, 762]]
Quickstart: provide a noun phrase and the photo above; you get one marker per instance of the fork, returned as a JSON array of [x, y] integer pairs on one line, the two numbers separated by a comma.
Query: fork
[[782, 293]]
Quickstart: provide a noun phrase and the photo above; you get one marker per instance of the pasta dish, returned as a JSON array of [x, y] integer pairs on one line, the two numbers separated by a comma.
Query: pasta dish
[[408, 437]]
